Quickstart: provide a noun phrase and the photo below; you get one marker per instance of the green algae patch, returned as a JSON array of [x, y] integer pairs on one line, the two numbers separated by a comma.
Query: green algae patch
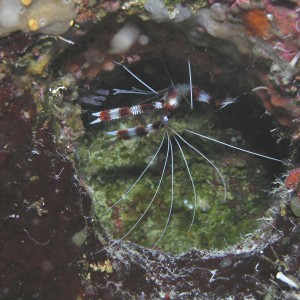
[[184, 208]]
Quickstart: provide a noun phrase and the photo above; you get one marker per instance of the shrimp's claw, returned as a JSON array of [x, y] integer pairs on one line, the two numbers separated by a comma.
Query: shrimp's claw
[[96, 121], [227, 101]]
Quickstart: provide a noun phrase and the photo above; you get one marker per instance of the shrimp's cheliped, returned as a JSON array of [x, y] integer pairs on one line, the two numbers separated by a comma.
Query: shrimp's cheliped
[[176, 182]]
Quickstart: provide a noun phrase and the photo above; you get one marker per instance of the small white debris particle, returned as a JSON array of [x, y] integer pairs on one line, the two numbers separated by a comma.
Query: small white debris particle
[[287, 280]]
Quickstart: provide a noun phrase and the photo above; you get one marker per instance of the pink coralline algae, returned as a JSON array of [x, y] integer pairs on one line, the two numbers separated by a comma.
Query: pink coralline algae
[[293, 179], [263, 22], [267, 31]]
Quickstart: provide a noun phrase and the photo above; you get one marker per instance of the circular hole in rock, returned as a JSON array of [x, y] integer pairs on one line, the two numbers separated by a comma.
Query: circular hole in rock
[[194, 192]]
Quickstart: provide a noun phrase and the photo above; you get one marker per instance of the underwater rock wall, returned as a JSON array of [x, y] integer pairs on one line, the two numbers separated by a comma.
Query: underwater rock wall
[[51, 247]]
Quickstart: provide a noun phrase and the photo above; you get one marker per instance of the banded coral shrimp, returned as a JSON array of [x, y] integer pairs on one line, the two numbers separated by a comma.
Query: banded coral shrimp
[[172, 189]]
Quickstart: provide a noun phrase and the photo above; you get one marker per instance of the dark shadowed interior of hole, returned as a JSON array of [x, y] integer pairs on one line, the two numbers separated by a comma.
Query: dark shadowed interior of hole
[[111, 167]]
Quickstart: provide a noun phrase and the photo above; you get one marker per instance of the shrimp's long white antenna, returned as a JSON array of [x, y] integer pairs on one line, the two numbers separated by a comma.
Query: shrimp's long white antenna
[[208, 160], [234, 147], [172, 193], [170, 78], [191, 84], [132, 74], [138, 179], [153, 198], [191, 178]]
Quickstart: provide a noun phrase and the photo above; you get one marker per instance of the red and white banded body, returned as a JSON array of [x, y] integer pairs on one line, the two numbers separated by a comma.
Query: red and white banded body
[[169, 102]]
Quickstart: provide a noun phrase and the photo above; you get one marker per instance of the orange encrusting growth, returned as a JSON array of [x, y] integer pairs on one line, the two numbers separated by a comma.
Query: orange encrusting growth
[[26, 2], [257, 23], [33, 25]]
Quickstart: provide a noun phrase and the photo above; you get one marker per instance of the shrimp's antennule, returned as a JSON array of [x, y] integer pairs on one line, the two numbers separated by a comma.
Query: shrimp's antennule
[[141, 81]]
